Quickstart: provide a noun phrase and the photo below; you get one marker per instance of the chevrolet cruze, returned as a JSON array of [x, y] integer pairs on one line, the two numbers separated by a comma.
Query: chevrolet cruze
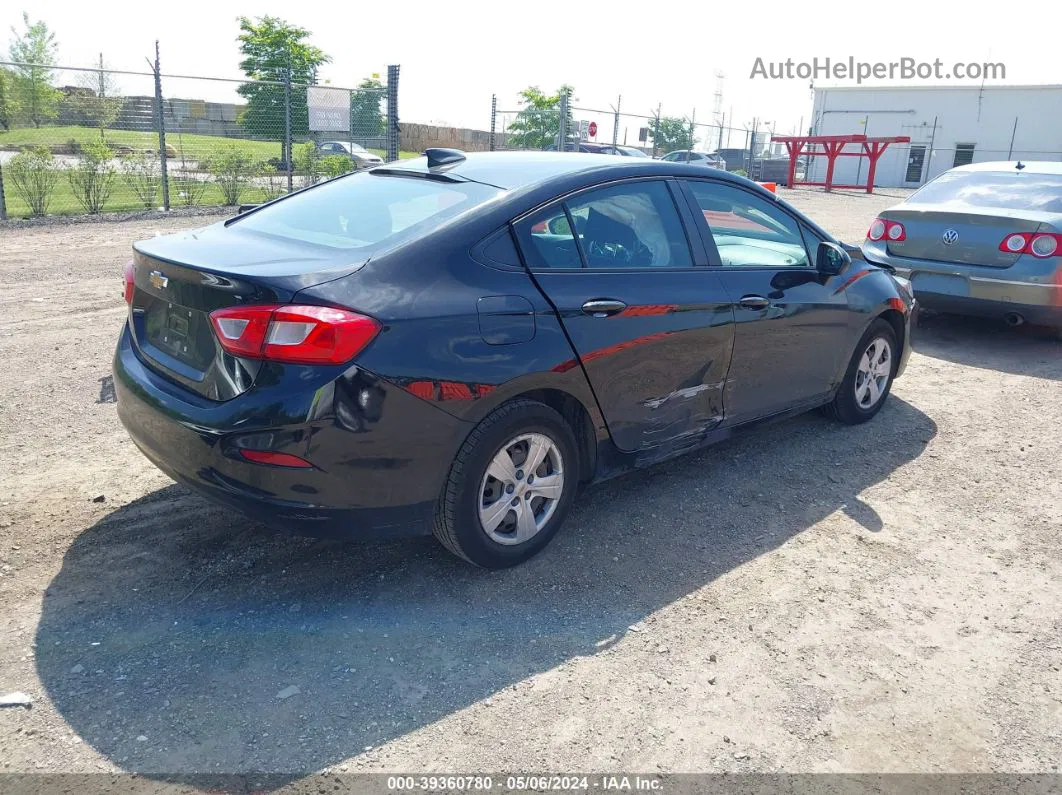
[[454, 344]]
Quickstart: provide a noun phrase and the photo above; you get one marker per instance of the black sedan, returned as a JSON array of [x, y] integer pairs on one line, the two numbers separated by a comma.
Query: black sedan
[[454, 344]]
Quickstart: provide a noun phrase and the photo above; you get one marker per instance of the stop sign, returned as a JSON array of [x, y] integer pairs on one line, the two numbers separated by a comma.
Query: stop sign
[[592, 129]]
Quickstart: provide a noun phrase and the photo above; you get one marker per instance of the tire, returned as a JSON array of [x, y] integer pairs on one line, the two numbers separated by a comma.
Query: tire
[[471, 491], [855, 401]]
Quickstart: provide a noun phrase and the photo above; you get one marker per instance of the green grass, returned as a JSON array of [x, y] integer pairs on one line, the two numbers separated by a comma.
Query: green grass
[[122, 199], [186, 145], [189, 145]]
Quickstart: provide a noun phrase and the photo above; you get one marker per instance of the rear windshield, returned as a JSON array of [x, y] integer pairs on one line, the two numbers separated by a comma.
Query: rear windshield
[[367, 211], [1001, 189]]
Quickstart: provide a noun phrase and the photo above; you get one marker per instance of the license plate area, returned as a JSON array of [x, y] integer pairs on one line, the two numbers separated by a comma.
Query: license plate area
[[941, 284]]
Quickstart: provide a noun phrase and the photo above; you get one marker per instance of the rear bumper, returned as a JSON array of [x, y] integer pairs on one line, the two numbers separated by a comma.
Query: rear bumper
[[380, 455], [1031, 288]]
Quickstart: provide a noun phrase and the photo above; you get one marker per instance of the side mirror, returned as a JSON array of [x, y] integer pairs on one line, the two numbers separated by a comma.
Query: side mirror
[[831, 259], [245, 207]]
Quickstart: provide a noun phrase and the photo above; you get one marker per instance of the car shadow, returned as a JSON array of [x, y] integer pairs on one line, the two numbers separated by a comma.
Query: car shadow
[[990, 344], [179, 639]]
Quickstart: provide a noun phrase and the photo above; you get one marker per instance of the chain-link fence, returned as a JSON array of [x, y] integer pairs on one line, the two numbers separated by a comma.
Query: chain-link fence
[[615, 130], [95, 140]]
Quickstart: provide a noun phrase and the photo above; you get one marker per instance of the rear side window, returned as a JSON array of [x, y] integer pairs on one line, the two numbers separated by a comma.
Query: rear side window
[[366, 211], [1008, 190], [632, 225]]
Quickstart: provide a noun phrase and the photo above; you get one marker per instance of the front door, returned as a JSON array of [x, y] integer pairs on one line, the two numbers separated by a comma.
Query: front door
[[791, 320], [653, 330]]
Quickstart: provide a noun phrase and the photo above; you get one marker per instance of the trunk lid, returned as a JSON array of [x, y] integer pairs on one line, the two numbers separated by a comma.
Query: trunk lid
[[974, 233], [180, 279]]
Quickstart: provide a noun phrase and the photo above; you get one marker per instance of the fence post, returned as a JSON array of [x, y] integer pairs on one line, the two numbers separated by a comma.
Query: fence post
[[287, 155], [615, 120], [393, 130], [3, 201], [163, 164], [656, 126], [493, 118], [562, 126]]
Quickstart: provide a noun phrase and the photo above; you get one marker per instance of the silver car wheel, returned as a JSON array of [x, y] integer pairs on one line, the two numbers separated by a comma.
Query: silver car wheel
[[873, 373], [521, 489]]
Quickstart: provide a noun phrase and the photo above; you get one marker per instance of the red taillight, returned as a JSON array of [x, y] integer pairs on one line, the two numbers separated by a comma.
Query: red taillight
[[127, 274], [275, 459], [1042, 245], [882, 229], [293, 334]]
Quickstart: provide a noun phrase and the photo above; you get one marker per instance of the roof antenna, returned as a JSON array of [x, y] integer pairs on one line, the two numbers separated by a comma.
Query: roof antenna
[[1019, 165]]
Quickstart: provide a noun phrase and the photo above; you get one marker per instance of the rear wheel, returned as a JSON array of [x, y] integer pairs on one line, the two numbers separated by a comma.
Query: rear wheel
[[868, 379], [510, 486]]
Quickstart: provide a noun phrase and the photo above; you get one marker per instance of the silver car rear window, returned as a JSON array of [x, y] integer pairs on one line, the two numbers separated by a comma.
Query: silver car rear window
[[1001, 189]]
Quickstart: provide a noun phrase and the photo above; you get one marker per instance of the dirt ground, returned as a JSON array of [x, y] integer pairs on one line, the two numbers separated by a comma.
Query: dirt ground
[[808, 598]]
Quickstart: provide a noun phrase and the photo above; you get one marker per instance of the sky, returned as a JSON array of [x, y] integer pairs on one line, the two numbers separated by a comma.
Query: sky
[[454, 56]]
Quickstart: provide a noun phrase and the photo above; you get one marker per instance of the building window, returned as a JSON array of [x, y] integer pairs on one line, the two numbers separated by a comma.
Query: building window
[[963, 154]]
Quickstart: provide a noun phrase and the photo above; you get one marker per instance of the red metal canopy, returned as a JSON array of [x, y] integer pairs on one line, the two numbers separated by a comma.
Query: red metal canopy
[[832, 148]]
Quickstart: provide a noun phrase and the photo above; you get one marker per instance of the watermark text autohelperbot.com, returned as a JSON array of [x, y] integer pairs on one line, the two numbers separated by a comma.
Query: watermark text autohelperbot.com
[[851, 69]]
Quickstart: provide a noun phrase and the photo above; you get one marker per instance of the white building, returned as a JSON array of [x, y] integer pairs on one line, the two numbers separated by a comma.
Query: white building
[[948, 126]]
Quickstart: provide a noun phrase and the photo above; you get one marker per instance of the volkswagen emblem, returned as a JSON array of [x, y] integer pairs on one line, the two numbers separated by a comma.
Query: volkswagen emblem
[[158, 281], [950, 236]]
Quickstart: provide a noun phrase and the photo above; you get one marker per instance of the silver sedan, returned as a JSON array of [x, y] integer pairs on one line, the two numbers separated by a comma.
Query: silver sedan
[[983, 239]]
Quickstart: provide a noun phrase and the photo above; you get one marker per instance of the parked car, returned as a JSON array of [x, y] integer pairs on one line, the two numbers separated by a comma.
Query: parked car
[[455, 343], [710, 159], [589, 147], [982, 239], [361, 156]]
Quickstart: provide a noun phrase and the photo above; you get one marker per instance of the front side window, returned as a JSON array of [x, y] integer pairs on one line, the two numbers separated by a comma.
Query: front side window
[[633, 225], [749, 231]]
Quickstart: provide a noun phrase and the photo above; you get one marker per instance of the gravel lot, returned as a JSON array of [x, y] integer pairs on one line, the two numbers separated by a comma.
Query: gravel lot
[[809, 598]]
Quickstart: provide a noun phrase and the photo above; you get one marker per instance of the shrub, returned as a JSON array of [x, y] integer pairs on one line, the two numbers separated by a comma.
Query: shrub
[[334, 166], [307, 163], [143, 175], [275, 183], [188, 191], [33, 174], [740, 172], [232, 168], [93, 177]]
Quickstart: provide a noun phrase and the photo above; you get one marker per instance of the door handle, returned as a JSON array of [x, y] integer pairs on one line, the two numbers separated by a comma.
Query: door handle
[[754, 302], [603, 307]]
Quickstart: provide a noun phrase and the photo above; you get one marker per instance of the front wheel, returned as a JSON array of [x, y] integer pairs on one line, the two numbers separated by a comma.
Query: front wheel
[[868, 379], [510, 486]]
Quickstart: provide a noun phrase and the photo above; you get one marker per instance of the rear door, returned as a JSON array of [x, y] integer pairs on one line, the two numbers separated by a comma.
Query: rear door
[[653, 327], [792, 323]]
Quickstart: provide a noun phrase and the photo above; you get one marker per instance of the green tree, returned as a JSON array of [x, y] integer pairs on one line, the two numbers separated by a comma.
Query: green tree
[[97, 102], [670, 133], [272, 50], [7, 98], [365, 116], [538, 122], [34, 53]]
